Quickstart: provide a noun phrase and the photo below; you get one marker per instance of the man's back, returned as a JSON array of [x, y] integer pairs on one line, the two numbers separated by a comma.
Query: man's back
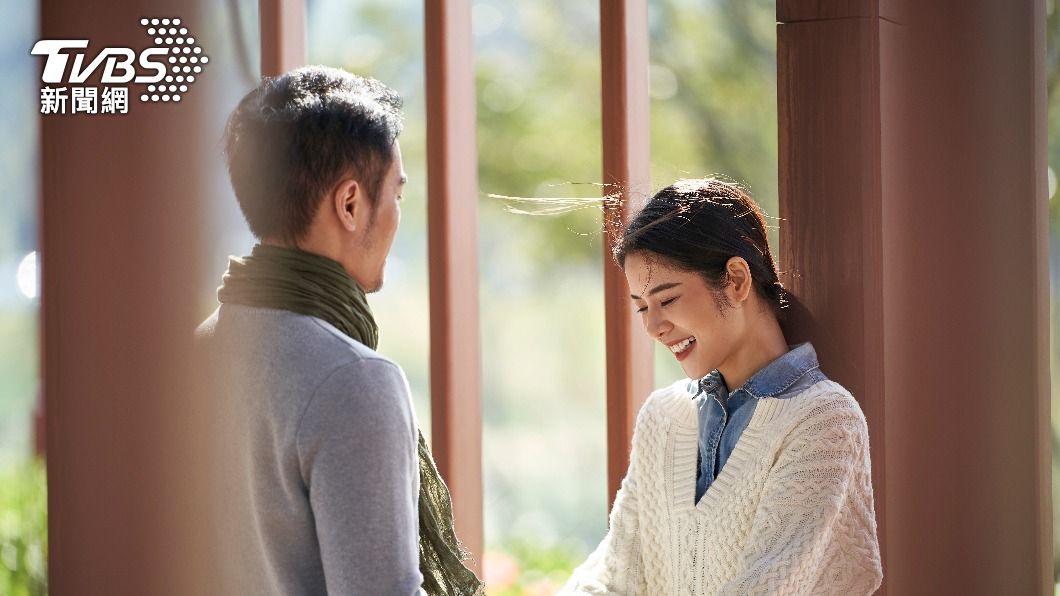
[[319, 472]]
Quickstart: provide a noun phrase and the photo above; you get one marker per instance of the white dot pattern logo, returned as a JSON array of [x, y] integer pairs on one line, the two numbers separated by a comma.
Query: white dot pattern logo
[[185, 57]]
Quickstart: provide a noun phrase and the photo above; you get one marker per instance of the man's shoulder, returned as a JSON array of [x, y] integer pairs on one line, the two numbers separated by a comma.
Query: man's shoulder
[[328, 337], [361, 390], [290, 344], [206, 329], [280, 328], [339, 354]]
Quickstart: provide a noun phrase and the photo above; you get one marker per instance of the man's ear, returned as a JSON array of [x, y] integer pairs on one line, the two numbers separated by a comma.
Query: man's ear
[[347, 200], [740, 282]]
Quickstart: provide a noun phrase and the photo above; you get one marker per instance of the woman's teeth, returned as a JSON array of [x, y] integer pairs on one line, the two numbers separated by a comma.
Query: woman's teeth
[[682, 345]]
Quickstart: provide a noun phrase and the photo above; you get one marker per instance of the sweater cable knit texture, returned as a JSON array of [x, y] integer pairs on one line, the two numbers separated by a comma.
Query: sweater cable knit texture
[[790, 513]]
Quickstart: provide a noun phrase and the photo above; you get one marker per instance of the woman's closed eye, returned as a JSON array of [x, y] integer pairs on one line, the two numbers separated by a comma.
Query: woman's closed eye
[[662, 304]]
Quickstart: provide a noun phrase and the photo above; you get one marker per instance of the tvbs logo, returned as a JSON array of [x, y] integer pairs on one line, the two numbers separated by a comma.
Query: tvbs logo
[[117, 59], [167, 68]]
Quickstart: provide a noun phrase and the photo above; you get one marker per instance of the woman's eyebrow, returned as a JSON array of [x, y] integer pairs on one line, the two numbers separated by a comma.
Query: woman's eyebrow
[[657, 289]]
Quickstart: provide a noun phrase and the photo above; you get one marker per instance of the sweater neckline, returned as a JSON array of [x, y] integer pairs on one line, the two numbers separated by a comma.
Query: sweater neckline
[[686, 448]]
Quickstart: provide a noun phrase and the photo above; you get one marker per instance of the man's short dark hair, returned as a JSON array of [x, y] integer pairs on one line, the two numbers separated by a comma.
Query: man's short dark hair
[[295, 136]]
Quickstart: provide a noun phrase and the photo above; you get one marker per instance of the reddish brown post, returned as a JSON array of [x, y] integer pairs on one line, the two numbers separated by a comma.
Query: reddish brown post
[[283, 36], [122, 203], [452, 195], [627, 173], [830, 198], [913, 193]]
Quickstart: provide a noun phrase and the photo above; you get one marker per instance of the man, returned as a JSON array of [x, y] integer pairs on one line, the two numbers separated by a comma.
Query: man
[[320, 455]]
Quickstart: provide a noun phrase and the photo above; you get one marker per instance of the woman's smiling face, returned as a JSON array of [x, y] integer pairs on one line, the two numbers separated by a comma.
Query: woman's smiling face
[[680, 310]]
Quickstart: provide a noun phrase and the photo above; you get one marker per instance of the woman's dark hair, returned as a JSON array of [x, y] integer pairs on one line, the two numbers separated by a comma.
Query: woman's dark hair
[[294, 136], [697, 226]]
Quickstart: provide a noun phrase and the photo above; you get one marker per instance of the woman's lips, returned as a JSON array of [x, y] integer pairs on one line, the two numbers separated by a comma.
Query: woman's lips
[[688, 344]]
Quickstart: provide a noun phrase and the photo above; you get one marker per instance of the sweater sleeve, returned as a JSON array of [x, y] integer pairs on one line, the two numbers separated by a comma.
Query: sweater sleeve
[[615, 568], [814, 531], [357, 447]]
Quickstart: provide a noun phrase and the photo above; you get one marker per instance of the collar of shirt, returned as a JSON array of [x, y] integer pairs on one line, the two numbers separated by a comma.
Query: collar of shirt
[[770, 381]]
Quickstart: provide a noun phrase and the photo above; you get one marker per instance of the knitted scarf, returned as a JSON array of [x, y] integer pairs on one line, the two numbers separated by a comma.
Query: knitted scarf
[[309, 284]]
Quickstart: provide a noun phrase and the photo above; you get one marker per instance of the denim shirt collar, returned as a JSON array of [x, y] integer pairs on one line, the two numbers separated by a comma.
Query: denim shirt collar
[[770, 381]]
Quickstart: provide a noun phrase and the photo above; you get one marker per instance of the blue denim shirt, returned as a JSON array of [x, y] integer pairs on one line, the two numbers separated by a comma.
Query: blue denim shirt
[[723, 416]]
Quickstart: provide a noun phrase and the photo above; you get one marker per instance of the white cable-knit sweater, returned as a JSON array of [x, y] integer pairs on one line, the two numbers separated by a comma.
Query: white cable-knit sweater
[[790, 513]]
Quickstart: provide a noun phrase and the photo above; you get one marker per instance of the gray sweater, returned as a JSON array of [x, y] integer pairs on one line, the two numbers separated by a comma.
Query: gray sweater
[[318, 472]]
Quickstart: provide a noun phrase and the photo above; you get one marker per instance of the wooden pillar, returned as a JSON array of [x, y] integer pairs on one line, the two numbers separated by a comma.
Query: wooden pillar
[[830, 199], [452, 220], [913, 192], [283, 36], [627, 175], [122, 202]]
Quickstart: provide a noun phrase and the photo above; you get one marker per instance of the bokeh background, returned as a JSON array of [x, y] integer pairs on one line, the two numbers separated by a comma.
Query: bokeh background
[[713, 110]]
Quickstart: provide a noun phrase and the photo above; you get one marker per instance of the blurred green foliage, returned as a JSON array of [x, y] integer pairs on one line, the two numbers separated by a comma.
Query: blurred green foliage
[[23, 504], [23, 529], [525, 568], [18, 380]]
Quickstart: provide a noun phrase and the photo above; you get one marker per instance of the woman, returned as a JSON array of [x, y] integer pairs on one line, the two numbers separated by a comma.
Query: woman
[[753, 476]]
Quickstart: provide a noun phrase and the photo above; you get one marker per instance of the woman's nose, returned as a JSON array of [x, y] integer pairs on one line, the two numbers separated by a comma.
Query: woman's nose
[[656, 326]]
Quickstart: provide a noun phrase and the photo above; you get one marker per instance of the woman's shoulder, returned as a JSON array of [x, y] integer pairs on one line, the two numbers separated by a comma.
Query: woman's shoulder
[[672, 402], [826, 394], [825, 390], [825, 403]]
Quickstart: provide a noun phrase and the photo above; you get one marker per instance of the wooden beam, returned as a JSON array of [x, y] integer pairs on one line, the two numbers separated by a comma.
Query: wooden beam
[[452, 215], [283, 35], [627, 174]]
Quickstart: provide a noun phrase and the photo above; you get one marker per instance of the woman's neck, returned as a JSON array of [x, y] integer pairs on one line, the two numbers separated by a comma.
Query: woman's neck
[[763, 344]]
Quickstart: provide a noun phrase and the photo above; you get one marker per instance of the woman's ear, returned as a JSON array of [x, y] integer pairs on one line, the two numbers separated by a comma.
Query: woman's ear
[[740, 282], [346, 201]]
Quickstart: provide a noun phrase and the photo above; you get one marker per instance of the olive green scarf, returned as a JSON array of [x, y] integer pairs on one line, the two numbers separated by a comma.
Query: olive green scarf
[[309, 284]]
